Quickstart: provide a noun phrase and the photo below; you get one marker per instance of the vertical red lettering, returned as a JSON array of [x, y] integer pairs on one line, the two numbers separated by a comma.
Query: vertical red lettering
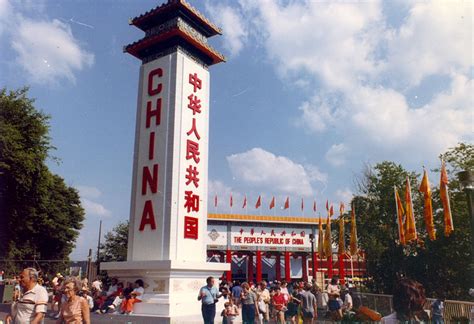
[[148, 216], [154, 91], [150, 180], [151, 146], [190, 227], [153, 113]]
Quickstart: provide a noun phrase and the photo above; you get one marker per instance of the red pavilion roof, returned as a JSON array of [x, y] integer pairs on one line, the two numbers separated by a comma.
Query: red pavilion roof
[[137, 47], [149, 18]]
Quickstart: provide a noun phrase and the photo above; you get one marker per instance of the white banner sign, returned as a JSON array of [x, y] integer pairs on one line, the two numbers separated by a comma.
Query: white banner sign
[[270, 236]]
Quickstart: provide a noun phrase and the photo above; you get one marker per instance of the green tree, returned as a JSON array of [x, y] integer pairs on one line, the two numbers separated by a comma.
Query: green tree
[[442, 265], [115, 246], [41, 215]]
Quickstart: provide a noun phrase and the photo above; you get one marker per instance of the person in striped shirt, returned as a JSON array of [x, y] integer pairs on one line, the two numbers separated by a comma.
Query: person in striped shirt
[[32, 305]]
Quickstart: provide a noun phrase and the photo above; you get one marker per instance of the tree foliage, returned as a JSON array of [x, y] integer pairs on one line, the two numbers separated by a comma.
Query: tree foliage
[[41, 213], [444, 266], [115, 246]]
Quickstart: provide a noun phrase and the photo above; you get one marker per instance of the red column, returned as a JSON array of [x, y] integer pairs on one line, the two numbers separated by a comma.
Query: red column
[[305, 267], [228, 259], [287, 266], [315, 264], [341, 268], [250, 267], [330, 267], [259, 265], [278, 267]]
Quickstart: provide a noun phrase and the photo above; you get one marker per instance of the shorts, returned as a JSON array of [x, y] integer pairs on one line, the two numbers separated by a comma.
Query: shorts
[[307, 314], [333, 305]]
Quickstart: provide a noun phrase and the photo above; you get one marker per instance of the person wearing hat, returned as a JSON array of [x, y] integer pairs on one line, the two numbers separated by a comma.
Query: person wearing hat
[[347, 298], [56, 279], [86, 294]]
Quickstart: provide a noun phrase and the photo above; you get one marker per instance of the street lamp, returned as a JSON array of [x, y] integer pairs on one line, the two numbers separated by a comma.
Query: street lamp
[[311, 239], [466, 180]]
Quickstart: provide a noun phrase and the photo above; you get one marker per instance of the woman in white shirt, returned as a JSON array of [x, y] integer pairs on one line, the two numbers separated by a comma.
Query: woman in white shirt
[[334, 292]]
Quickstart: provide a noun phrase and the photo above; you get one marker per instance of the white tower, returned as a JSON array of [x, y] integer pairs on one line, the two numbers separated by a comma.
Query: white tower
[[168, 215]]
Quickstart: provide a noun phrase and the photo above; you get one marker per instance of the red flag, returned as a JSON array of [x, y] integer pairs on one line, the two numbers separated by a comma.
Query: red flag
[[443, 191], [400, 217], [410, 227], [428, 208], [231, 201], [259, 202], [331, 211], [302, 204], [341, 208], [215, 201], [272, 203], [245, 202], [314, 205], [327, 205], [287, 203]]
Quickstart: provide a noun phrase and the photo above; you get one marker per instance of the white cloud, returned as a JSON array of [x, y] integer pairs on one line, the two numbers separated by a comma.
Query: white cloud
[[332, 42], [230, 20], [264, 169], [89, 196], [344, 195], [89, 192], [362, 70], [436, 38], [94, 208], [48, 51], [5, 12], [223, 192], [337, 154]]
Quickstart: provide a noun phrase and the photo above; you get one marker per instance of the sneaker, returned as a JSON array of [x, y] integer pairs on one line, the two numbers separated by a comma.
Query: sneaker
[[111, 306], [97, 311], [56, 316]]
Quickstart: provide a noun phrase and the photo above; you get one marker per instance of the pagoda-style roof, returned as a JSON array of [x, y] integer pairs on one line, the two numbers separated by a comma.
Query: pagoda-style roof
[[174, 8], [264, 219], [140, 48]]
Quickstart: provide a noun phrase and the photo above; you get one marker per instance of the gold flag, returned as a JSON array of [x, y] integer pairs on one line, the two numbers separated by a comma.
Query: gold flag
[[428, 208], [400, 216], [410, 227], [443, 190], [341, 245], [320, 239], [353, 244], [327, 238]]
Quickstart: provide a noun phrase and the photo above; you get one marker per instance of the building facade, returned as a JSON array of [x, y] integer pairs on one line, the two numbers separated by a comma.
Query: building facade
[[274, 248]]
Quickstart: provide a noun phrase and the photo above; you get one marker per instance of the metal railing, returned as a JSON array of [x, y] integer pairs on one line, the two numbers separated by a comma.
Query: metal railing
[[384, 305]]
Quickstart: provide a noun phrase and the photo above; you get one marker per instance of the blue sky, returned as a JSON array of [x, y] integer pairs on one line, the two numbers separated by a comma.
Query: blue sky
[[310, 93]]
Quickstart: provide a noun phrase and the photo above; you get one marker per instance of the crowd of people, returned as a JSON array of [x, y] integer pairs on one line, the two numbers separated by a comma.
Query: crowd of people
[[70, 299], [276, 301]]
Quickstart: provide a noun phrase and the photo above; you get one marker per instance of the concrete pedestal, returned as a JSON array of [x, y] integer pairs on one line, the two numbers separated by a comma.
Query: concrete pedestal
[[171, 286]]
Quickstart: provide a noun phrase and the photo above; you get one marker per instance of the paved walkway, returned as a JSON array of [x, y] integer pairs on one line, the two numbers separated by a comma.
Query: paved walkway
[[122, 319]]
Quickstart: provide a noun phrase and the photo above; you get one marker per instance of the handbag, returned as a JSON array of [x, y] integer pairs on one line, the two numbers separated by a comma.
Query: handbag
[[262, 307]]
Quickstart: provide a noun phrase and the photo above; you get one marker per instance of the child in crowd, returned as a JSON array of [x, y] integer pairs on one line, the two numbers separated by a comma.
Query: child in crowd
[[229, 313]]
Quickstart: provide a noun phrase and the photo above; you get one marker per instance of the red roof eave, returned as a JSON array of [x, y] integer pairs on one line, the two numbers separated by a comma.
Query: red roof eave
[[135, 48], [140, 20]]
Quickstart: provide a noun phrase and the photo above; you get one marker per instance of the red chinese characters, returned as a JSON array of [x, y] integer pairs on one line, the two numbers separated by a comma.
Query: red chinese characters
[[149, 181], [192, 173]]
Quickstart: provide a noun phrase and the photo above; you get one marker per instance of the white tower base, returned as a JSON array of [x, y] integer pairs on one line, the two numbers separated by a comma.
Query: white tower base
[[171, 287]]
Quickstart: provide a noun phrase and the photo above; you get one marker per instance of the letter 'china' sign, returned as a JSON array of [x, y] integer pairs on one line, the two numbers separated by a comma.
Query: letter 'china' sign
[[169, 193]]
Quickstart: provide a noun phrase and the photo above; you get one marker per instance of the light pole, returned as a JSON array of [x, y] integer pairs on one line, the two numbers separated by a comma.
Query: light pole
[[466, 180], [311, 239]]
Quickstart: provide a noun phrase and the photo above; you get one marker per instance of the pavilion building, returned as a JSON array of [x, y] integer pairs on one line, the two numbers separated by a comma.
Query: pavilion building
[[273, 248]]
